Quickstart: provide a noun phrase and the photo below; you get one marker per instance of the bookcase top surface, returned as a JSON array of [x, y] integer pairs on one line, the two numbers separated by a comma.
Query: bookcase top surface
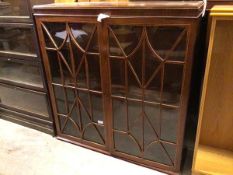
[[181, 9], [222, 10], [131, 5]]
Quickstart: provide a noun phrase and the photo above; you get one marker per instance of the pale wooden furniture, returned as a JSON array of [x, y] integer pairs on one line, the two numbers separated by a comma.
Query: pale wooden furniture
[[63, 1], [214, 140]]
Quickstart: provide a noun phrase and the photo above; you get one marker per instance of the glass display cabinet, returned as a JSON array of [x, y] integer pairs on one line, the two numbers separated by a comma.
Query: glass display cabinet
[[120, 85], [14, 10], [214, 139], [23, 91]]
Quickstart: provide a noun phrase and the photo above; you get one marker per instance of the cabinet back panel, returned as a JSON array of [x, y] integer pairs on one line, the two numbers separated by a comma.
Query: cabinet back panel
[[218, 112]]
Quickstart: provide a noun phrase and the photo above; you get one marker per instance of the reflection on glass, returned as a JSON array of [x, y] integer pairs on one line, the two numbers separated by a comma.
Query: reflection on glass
[[24, 100], [54, 34], [14, 8], [24, 73], [13, 39], [80, 34]]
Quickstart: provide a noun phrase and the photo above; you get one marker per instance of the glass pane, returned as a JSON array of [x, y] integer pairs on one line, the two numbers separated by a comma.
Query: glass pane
[[74, 123], [135, 121], [24, 100], [118, 76], [73, 40], [173, 78], [153, 90], [94, 72], [171, 150], [60, 67], [81, 33], [97, 108], [14, 39], [14, 8], [83, 114], [60, 97], [94, 45], [71, 128], [85, 108], [127, 37], [157, 153], [151, 123], [54, 67], [58, 34], [119, 115], [92, 133], [168, 41], [90, 113], [169, 117], [55, 35], [126, 144], [74, 107], [24, 73], [80, 64], [66, 65], [152, 80], [135, 76]]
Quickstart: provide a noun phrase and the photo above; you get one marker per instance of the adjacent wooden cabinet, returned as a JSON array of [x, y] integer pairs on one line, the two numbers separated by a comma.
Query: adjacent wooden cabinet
[[23, 92], [121, 85], [214, 141]]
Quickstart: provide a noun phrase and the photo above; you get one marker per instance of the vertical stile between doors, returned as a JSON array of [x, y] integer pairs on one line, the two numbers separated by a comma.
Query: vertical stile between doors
[[103, 36]]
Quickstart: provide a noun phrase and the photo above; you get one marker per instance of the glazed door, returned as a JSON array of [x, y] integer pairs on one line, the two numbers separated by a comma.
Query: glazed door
[[72, 59], [146, 72]]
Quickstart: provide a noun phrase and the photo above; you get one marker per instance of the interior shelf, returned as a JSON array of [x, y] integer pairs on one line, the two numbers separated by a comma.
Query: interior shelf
[[214, 161]]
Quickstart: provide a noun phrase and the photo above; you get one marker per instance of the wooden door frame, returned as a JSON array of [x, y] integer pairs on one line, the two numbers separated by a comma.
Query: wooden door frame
[[192, 26], [60, 135]]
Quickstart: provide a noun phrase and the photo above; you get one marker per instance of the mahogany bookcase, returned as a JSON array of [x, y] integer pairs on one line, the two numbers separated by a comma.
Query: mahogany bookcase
[[121, 85]]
